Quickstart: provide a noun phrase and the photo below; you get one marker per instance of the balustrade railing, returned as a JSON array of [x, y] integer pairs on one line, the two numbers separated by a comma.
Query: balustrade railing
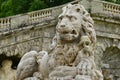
[[111, 7], [105, 7], [38, 16], [4, 24], [21, 20]]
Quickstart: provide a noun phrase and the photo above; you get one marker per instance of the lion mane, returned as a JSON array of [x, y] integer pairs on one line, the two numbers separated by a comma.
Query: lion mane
[[73, 23]]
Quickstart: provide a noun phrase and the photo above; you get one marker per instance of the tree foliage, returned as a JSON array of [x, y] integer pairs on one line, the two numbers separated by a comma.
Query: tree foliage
[[114, 1], [13, 7], [37, 4]]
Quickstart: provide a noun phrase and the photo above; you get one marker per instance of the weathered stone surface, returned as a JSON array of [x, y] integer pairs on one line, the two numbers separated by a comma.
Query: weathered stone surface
[[17, 38], [71, 55], [6, 72]]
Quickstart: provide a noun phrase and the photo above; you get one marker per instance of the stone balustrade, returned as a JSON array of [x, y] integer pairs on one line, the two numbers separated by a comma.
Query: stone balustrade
[[110, 7], [5, 24], [38, 16], [22, 20], [105, 7]]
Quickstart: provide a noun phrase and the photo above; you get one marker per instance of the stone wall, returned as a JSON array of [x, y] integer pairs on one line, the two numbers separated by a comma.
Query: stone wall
[[35, 33]]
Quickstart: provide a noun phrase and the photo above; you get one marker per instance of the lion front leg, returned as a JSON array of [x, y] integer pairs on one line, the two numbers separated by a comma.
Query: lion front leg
[[84, 67], [42, 60], [63, 73]]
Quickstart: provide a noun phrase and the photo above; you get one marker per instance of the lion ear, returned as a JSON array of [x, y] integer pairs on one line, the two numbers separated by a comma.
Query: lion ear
[[64, 8]]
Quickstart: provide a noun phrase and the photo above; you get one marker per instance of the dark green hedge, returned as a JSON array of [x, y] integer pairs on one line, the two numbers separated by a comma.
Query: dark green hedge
[[13, 7], [114, 1]]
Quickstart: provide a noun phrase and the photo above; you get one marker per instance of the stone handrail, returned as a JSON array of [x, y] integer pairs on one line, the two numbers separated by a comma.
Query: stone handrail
[[105, 7], [22, 20], [111, 7], [5, 24], [38, 16]]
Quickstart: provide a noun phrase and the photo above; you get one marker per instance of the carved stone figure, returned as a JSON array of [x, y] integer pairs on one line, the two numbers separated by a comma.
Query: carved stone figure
[[71, 55], [6, 72]]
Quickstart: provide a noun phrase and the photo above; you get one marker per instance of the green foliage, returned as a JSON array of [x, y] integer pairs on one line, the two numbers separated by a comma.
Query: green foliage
[[13, 7], [114, 1], [36, 5], [6, 8], [117, 2], [52, 3]]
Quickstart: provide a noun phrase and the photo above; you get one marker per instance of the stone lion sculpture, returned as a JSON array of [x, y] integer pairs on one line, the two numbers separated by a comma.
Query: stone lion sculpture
[[71, 55]]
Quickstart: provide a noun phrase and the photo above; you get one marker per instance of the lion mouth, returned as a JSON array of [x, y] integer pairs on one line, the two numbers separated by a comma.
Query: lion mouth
[[69, 35], [74, 32], [68, 32]]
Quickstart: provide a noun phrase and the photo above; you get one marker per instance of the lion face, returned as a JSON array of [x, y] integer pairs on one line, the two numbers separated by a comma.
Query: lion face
[[69, 24]]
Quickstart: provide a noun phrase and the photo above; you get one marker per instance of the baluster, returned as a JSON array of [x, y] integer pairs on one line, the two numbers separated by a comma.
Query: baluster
[[30, 20], [43, 15], [40, 16], [104, 6], [112, 9], [107, 7], [32, 17], [49, 14], [46, 14], [9, 23], [37, 16], [5, 24], [0, 24], [115, 9], [119, 9]]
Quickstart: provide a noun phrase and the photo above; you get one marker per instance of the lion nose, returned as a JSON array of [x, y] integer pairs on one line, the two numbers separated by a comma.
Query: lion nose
[[62, 26]]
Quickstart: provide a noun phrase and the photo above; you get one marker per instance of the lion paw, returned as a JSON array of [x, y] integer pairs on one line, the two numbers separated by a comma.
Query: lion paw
[[84, 67]]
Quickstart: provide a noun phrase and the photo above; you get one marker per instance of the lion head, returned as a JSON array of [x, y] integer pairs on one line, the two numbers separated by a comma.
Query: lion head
[[74, 22], [69, 24]]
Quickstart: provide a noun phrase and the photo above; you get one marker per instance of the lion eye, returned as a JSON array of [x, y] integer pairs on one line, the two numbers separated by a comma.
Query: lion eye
[[87, 43], [60, 18]]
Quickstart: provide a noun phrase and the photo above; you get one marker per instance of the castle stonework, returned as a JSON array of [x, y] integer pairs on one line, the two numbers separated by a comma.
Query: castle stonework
[[71, 54], [35, 30]]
